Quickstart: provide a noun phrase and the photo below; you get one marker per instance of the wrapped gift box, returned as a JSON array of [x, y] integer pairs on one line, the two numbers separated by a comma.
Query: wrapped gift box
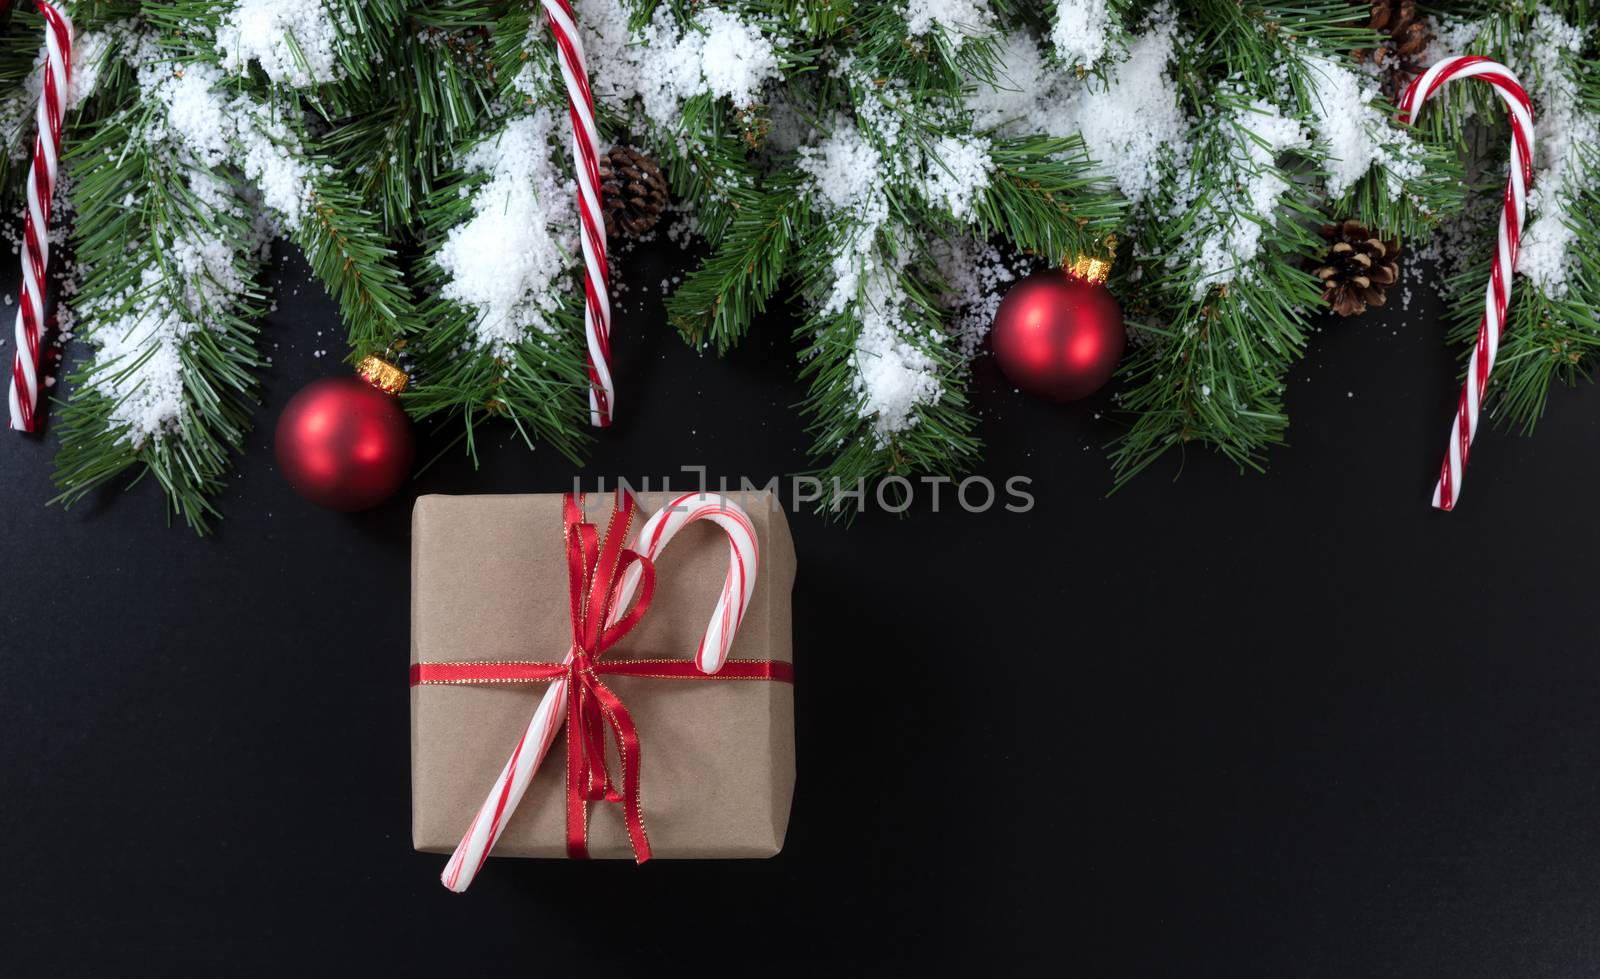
[[490, 582]]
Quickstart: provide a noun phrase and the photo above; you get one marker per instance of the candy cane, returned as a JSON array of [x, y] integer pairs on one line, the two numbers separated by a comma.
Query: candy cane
[[1497, 294], [586, 156], [744, 558], [24, 395]]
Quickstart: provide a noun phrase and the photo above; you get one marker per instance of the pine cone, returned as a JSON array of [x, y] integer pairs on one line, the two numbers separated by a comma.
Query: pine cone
[[1399, 55], [1359, 268], [632, 192]]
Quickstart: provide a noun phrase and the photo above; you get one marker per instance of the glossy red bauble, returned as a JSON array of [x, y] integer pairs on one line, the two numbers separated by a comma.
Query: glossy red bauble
[[344, 444], [1057, 336]]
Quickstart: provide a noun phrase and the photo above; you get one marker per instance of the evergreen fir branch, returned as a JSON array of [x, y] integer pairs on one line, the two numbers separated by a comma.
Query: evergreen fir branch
[[1046, 200], [365, 29], [541, 388], [1545, 339], [716, 303], [707, 164], [350, 255], [540, 384], [19, 50], [931, 62], [1415, 214], [1253, 42], [1214, 376], [344, 244], [521, 51], [414, 83], [817, 20], [940, 441], [392, 137], [116, 244]]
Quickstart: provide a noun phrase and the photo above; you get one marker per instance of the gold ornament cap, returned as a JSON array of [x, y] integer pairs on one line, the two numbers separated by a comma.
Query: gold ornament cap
[[1093, 268], [383, 375]]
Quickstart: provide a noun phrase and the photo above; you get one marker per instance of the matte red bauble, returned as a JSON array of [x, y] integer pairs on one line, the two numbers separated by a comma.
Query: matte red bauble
[[344, 444], [1058, 336]]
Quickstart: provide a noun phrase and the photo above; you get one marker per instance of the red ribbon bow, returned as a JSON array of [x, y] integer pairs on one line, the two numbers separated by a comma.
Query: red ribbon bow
[[595, 572]]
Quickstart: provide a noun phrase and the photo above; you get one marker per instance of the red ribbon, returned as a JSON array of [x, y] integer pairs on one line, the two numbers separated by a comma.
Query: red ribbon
[[595, 571]]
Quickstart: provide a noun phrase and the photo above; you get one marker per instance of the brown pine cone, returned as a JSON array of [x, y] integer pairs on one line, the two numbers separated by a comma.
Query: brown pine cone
[[1358, 269], [1406, 39], [632, 192]]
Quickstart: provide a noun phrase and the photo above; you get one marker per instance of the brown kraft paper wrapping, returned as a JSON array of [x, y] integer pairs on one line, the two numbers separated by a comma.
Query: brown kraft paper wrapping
[[489, 582]]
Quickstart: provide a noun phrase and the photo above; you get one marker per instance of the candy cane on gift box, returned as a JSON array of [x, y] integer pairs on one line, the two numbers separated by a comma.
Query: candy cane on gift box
[[586, 158], [24, 395], [1497, 294], [744, 558]]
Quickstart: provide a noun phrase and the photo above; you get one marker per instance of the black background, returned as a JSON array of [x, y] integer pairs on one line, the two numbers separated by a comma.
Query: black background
[[1232, 725]]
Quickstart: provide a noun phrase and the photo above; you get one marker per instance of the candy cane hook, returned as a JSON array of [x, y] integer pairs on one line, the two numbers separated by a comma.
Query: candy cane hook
[[24, 394], [1497, 293]]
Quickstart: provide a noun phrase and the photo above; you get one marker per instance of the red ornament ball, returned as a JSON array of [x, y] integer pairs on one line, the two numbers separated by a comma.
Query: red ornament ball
[[344, 444], [1058, 336]]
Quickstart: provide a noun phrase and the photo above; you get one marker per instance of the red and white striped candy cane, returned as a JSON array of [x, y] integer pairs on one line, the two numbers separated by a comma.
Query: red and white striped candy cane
[[36, 226], [744, 557], [1497, 294], [586, 156]]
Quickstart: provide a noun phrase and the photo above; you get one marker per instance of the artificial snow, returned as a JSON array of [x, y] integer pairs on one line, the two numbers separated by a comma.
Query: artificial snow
[[1081, 32], [142, 369], [91, 55], [509, 261], [1131, 122], [1234, 219], [893, 375], [1563, 131], [270, 156], [141, 336], [663, 65], [955, 20], [197, 117], [976, 276], [957, 172], [1451, 36], [735, 56], [847, 172], [215, 128], [1355, 134], [847, 178], [294, 41]]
